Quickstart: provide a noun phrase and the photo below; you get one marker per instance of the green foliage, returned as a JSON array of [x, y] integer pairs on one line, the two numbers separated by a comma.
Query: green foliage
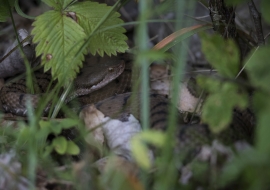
[[58, 4], [58, 44], [218, 106], [258, 68], [262, 106], [109, 41], [224, 96], [8, 137], [72, 148], [265, 6], [60, 144], [258, 72], [222, 54], [4, 9], [246, 169], [60, 34], [56, 127], [63, 146], [140, 150]]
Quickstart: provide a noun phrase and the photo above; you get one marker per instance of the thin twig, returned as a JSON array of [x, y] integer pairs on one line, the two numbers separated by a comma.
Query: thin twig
[[256, 16], [231, 21]]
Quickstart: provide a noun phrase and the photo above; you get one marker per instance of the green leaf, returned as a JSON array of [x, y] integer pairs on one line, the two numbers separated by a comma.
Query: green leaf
[[51, 126], [210, 85], [72, 148], [4, 9], [56, 127], [233, 169], [48, 150], [58, 4], [154, 55], [140, 150], [60, 145], [265, 6], [222, 54], [262, 109], [68, 123], [59, 39], [24, 135], [44, 124], [245, 169], [45, 129], [110, 41], [258, 68], [218, 106], [156, 138], [263, 131]]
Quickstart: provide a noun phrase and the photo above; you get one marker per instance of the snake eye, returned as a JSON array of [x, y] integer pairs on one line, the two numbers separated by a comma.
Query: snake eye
[[110, 69]]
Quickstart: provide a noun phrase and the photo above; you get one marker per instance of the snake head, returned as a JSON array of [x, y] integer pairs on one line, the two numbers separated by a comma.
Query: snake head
[[96, 76]]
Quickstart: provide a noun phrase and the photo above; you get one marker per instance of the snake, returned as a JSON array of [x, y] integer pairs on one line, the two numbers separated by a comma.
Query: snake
[[93, 76], [107, 82], [188, 135]]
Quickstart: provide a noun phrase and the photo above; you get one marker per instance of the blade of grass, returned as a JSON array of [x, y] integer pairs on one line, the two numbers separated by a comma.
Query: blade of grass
[[61, 101], [13, 49], [166, 177], [29, 82], [179, 36], [143, 62], [32, 148], [20, 12]]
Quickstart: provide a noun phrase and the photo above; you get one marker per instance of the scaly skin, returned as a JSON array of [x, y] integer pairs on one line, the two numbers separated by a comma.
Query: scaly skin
[[14, 96], [118, 105]]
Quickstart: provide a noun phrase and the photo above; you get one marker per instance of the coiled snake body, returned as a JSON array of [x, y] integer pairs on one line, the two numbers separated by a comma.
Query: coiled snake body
[[98, 73], [116, 79]]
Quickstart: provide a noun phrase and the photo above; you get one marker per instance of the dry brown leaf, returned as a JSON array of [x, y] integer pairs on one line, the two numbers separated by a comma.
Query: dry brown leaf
[[93, 120]]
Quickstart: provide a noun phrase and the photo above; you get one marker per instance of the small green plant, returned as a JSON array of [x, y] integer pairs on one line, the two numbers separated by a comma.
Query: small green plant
[[60, 144], [63, 35]]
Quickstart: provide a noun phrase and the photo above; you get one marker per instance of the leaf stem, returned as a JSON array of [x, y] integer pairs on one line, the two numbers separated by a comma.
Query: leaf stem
[[20, 12]]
